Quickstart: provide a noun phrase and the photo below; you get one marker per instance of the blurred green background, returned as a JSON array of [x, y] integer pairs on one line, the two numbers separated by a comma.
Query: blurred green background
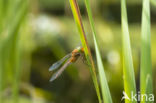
[[36, 33]]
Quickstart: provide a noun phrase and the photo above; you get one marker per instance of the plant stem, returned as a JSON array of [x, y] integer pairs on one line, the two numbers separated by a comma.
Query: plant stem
[[78, 20]]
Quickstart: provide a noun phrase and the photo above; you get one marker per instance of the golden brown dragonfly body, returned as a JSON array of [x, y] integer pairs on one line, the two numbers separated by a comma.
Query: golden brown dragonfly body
[[72, 57]]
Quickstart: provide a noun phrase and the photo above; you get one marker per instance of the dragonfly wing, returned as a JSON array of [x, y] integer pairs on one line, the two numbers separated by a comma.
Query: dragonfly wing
[[58, 64], [59, 72]]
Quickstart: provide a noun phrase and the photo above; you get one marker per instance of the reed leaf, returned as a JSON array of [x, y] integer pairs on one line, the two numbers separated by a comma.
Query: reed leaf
[[146, 63], [103, 81], [78, 20], [128, 69], [9, 46]]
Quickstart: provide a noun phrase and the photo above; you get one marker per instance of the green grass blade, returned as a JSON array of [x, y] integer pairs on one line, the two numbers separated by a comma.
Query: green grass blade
[[16, 49], [77, 17], [128, 70], [103, 81], [10, 51], [146, 64], [1, 54]]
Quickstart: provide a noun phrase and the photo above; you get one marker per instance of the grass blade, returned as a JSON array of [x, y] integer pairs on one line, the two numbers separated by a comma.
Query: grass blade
[[77, 17], [103, 81], [146, 64], [10, 49], [128, 70], [16, 49]]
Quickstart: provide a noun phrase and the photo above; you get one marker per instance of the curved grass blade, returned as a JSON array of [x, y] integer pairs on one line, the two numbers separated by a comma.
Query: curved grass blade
[[104, 85], [58, 63], [146, 64], [128, 69], [59, 72], [77, 17]]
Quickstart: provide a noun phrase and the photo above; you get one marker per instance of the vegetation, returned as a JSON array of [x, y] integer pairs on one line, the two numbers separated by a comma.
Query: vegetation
[[119, 49]]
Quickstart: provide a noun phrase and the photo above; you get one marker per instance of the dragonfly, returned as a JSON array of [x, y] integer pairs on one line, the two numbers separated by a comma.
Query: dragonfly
[[69, 58]]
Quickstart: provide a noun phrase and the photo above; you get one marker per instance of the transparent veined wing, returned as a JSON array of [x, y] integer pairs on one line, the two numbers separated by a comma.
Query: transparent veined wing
[[58, 63], [59, 72]]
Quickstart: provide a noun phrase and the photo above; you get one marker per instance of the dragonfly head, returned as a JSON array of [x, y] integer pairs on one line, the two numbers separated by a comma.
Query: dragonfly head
[[79, 49]]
